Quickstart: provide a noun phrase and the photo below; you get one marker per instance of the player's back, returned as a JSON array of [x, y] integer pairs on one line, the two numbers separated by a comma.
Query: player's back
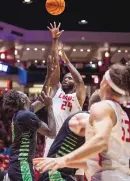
[[65, 142], [117, 156], [24, 127]]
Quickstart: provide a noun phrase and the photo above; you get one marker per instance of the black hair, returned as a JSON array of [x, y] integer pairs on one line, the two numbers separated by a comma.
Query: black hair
[[12, 102]]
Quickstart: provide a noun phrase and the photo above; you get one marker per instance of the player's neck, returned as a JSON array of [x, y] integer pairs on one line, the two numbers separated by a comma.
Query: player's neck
[[26, 108], [110, 97], [67, 91]]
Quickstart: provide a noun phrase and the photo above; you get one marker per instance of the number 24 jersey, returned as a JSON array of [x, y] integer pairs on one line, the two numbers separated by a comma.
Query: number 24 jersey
[[63, 106]]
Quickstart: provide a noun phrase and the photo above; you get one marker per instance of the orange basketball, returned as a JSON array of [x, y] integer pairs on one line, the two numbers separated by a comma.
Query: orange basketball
[[55, 7]]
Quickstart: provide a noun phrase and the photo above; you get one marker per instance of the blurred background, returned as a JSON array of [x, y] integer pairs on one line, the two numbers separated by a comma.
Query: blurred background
[[97, 34]]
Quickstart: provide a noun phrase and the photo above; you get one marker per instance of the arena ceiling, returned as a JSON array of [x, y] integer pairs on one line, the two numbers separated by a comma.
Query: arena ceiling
[[101, 15], [76, 52]]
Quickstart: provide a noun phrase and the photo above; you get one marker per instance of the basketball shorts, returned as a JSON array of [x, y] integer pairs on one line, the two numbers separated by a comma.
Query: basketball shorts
[[57, 176], [21, 171]]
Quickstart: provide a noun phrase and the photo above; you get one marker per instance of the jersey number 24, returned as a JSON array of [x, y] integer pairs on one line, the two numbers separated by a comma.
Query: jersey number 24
[[66, 105]]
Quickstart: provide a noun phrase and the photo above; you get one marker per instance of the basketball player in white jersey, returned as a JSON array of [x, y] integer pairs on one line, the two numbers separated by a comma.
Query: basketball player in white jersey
[[68, 97], [108, 132]]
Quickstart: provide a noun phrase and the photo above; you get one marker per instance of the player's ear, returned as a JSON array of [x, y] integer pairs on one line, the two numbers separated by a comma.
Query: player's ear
[[22, 100]]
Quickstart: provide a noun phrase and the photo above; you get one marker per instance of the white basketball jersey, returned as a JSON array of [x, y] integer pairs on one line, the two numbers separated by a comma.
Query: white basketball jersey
[[64, 105], [117, 157]]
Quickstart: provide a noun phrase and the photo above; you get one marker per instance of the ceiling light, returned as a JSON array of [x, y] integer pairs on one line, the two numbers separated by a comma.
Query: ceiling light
[[27, 49], [74, 50], [15, 52], [35, 61], [43, 49], [27, 1], [35, 49], [81, 50], [88, 50], [83, 22], [93, 65], [91, 62], [126, 51], [43, 61], [99, 63], [83, 38], [107, 54], [18, 61], [2, 56], [119, 51]]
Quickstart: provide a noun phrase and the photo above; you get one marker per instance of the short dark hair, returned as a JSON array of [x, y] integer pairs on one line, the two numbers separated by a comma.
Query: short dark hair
[[12, 102], [120, 75], [95, 97]]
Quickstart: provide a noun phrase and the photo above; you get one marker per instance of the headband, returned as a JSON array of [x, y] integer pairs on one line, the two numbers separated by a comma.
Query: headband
[[113, 85]]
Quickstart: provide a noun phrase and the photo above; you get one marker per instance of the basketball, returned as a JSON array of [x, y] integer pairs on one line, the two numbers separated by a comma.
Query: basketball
[[55, 7]]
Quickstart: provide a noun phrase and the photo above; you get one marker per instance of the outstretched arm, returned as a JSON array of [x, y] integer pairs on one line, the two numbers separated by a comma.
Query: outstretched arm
[[51, 68], [40, 162], [55, 33], [102, 116], [80, 87], [49, 130]]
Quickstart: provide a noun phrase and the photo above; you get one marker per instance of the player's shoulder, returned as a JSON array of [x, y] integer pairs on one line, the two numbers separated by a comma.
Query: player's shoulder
[[24, 114], [101, 107], [82, 114]]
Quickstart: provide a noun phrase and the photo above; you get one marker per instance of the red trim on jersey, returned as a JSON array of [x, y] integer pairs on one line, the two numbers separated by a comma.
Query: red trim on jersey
[[100, 160]]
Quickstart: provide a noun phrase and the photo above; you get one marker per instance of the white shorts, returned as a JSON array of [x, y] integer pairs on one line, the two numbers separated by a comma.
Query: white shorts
[[110, 175]]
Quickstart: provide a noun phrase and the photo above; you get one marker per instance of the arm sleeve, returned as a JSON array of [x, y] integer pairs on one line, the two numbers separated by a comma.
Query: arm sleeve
[[28, 121]]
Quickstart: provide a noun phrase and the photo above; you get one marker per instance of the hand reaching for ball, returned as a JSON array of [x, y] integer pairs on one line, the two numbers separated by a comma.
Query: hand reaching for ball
[[55, 32]]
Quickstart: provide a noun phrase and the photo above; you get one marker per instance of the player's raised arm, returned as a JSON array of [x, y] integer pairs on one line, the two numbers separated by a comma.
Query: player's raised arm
[[55, 33], [51, 68], [79, 83], [49, 130]]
